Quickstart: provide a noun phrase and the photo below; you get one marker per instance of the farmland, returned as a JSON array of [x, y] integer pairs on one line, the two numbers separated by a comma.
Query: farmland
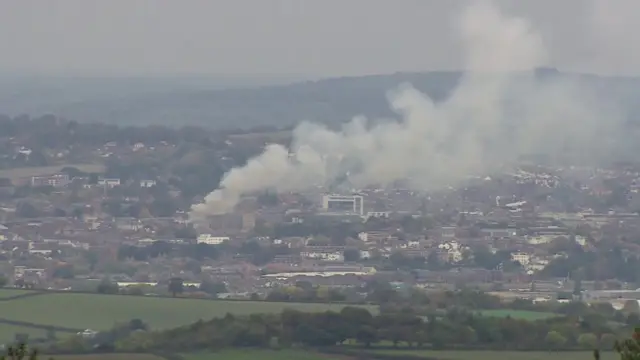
[[82, 311], [518, 314], [237, 354], [108, 357], [8, 332], [251, 354], [496, 355], [9, 293]]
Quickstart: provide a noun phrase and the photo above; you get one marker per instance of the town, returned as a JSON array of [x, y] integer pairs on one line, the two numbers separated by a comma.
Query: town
[[85, 207]]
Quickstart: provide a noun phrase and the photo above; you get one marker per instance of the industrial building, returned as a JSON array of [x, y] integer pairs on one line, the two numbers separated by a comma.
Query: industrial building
[[350, 204]]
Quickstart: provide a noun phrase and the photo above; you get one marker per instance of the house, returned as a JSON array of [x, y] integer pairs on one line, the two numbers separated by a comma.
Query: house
[[56, 180], [377, 237], [522, 258], [448, 232], [29, 274], [147, 183], [498, 233], [211, 240], [540, 239], [450, 251], [378, 214], [109, 182], [87, 334], [128, 224], [323, 255], [24, 151]]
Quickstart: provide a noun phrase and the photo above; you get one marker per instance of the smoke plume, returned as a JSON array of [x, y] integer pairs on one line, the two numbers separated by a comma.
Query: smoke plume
[[498, 112]]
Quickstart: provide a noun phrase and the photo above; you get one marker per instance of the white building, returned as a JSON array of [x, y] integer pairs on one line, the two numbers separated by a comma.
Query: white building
[[453, 250], [522, 258], [352, 204], [147, 183], [321, 255], [378, 214], [109, 182], [212, 240], [540, 239], [57, 180]]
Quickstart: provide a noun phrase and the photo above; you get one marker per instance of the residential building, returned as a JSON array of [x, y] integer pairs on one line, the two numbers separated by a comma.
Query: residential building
[[147, 183], [56, 180], [212, 240], [109, 182], [522, 258]]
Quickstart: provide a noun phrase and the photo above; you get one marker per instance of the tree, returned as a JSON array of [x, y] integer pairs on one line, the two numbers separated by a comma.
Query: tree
[[588, 341], [186, 232], [107, 287], [629, 349], [63, 272], [631, 306], [93, 179], [555, 340], [366, 335], [633, 319], [92, 258], [213, 288], [577, 287], [3, 281], [176, 286], [57, 212], [351, 255], [137, 324], [77, 212], [20, 352], [398, 260], [26, 210], [607, 341], [71, 171]]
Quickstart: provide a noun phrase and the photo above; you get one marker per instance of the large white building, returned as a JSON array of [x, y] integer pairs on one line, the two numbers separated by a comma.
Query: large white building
[[352, 204], [212, 240]]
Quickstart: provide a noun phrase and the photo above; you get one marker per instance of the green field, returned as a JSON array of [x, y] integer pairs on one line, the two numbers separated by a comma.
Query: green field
[[288, 354], [518, 314], [8, 332], [8, 292], [238, 354], [98, 312], [106, 357], [498, 355]]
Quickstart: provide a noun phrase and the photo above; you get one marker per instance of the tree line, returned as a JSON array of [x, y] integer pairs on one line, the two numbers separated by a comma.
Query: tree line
[[456, 328]]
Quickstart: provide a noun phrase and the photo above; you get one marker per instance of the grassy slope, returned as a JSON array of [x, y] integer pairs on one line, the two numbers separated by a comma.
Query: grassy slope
[[102, 311], [249, 354], [240, 354], [8, 292], [7, 332], [499, 355], [105, 357]]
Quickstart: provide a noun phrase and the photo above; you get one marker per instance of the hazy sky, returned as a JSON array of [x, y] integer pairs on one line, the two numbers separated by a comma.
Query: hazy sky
[[316, 38]]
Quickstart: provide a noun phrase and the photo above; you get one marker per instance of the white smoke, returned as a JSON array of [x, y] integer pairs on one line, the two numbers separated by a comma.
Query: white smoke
[[498, 112]]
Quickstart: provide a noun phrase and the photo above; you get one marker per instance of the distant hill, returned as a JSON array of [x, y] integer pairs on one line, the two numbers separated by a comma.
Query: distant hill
[[330, 101]]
